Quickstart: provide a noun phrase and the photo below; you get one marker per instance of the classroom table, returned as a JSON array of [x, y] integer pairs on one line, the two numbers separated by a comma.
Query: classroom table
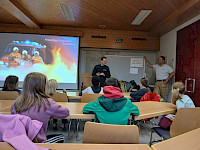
[[147, 109], [69, 146], [186, 141], [75, 95]]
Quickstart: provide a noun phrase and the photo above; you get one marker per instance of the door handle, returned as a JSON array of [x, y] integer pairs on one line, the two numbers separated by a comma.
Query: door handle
[[186, 81]]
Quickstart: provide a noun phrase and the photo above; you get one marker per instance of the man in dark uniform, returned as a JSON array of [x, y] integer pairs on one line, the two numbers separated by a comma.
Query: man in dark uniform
[[102, 71]]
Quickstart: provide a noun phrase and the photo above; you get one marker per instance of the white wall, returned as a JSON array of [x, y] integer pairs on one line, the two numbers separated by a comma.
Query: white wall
[[89, 57], [168, 46]]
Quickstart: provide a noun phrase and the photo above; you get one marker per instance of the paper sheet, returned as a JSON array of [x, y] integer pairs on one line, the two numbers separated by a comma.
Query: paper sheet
[[136, 62], [133, 70]]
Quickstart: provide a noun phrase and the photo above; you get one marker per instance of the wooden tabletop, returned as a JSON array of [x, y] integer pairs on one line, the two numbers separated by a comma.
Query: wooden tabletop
[[75, 95], [68, 146], [147, 109], [127, 95], [186, 141]]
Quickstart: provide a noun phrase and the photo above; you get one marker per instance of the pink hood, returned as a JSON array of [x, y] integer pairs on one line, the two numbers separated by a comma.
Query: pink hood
[[112, 92]]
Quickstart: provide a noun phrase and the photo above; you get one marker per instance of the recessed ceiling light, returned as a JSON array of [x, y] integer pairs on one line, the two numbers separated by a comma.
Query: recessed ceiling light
[[67, 12], [141, 16]]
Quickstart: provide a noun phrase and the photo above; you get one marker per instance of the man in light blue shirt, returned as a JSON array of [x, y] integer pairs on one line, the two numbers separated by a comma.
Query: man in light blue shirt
[[163, 74]]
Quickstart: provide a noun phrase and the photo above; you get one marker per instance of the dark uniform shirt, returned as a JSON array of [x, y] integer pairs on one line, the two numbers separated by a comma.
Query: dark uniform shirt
[[101, 69]]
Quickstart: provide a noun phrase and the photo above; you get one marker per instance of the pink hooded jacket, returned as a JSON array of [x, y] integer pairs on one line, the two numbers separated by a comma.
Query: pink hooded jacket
[[19, 131]]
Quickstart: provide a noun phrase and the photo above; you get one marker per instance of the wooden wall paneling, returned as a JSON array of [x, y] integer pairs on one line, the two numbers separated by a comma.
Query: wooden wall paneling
[[86, 80], [86, 40], [6, 17], [15, 8], [151, 42], [116, 15], [173, 20], [41, 31]]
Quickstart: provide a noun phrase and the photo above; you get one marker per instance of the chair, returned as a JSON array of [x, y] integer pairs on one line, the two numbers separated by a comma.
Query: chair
[[8, 95], [55, 138], [186, 119], [123, 86], [86, 80], [59, 97], [86, 97], [150, 97], [98, 133]]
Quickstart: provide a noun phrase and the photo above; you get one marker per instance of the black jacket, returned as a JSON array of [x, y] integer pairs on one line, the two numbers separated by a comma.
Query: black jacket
[[138, 94], [105, 69]]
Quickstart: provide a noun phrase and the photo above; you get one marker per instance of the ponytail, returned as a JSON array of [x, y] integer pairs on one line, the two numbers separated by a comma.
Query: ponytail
[[178, 90]]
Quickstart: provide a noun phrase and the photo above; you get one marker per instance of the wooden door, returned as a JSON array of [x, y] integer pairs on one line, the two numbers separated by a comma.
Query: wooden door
[[188, 61]]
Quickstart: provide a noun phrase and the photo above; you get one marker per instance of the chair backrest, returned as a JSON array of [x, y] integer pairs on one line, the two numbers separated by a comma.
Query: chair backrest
[[86, 80], [186, 119], [8, 95], [87, 97], [59, 97], [98, 133], [123, 86]]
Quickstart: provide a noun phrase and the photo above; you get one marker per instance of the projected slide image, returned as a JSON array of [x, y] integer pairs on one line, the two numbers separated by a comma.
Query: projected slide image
[[54, 56]]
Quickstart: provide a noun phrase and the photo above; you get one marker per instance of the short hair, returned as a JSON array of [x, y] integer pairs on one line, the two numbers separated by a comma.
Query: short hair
[[10, 83], [112, 82], [163, 57], [145, 82], [103, 58], [95, 80]]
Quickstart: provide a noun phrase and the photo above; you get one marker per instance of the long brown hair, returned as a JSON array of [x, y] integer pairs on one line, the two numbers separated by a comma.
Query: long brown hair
[[51, 86], [33, 93], [145, 83], [178, 90], [11, 83]]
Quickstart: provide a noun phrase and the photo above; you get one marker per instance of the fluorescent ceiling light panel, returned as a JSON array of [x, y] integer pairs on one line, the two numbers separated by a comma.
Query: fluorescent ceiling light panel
[[67, 12], [141, 16]]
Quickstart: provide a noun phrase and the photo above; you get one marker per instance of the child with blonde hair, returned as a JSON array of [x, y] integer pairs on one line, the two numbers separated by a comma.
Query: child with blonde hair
[[51, 87], [179, 98]]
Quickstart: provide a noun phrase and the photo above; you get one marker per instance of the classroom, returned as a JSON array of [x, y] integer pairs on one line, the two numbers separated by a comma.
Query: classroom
[[99, 74]]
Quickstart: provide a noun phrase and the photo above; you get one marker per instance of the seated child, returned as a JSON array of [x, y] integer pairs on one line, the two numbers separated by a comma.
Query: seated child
[[36, 104], [11, 84], [136, 95], [179, 98], [112, 107], [96, 86], [51, 87]]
